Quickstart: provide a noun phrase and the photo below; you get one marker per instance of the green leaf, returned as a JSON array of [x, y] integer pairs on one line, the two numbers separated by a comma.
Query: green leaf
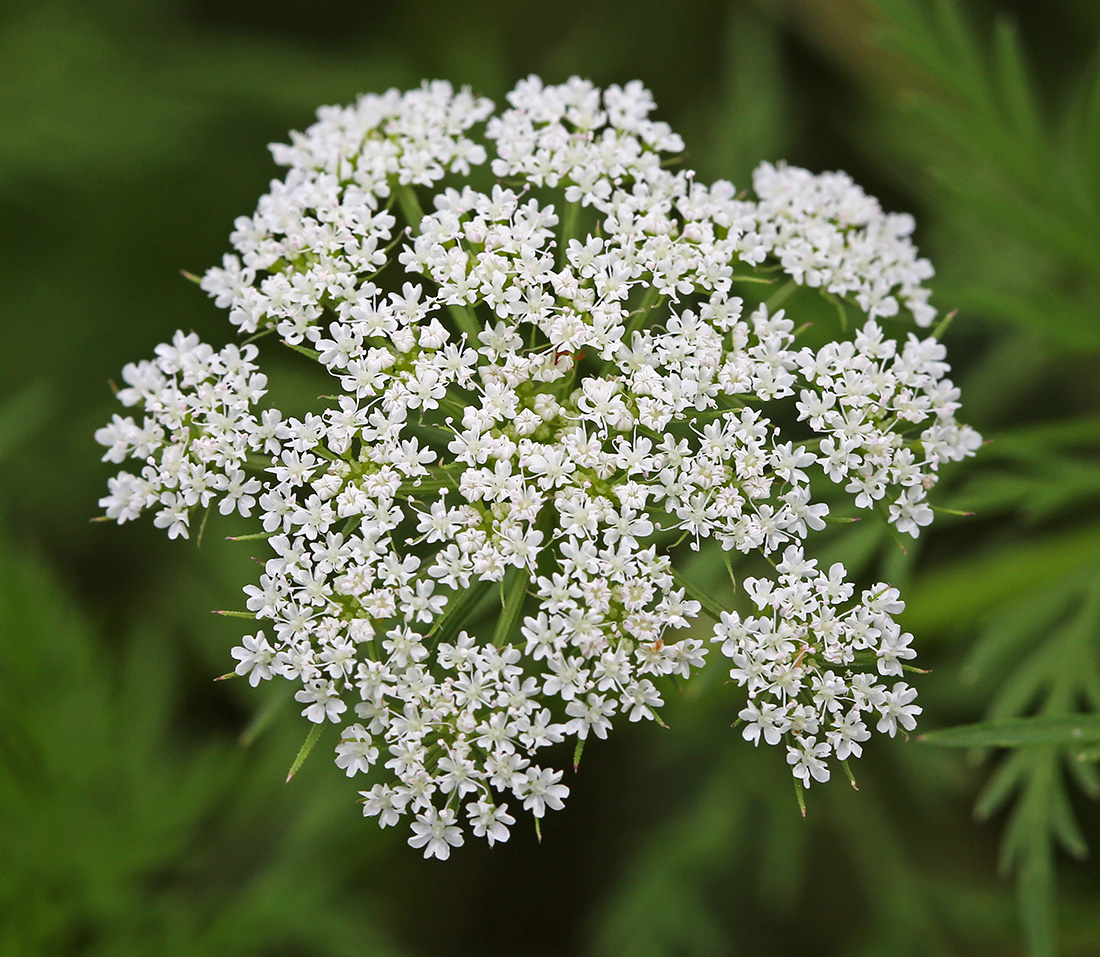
[[307, 746], [957, 593], [1013, 630], [1012, 83], [1083, 134], [1020, 732], [303, 350]]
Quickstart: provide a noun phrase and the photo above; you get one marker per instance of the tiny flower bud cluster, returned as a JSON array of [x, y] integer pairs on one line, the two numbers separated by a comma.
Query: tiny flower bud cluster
[[560, 389]]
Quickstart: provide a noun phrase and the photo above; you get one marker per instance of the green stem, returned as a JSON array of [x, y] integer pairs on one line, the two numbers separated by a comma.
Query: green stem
[[433, 483], [259, 335], [456, 611], [466, 321], [514, 595], [569, 229], [840, 310], [264, 718], [410, 207], [464, 317], [941, 327], [638, 318], [729, 568], [713, 608], [450, 404], [781, 295]]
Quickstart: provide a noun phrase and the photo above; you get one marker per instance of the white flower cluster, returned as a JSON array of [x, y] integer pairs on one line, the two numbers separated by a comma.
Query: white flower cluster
[[560, 389], [812, 625], [195, 436], [828, 233]]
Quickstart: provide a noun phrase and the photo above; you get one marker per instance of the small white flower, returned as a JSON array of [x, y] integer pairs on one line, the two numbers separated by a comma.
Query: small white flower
[[897, 709], [490, 821], [355, 753], [591, 714], [436, 832], [540, 790], [254, 658], [807, 760]]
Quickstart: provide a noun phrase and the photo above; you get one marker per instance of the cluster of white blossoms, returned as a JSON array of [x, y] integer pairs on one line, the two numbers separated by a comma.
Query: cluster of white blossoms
[[546, 390], [812, 624]]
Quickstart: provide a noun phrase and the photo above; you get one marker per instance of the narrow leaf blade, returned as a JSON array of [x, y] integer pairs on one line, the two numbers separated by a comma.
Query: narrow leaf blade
[[1059, 731]]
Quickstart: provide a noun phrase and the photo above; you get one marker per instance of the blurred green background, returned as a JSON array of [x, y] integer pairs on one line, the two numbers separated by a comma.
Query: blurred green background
[[132, 818]]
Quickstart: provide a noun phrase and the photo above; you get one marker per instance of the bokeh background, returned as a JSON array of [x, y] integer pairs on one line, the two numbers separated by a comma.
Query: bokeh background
[[142, 806]]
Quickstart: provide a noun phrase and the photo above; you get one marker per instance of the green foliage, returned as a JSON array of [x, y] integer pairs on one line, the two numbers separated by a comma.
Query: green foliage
[[1023, 732], [118, 835], [1016, 184]]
